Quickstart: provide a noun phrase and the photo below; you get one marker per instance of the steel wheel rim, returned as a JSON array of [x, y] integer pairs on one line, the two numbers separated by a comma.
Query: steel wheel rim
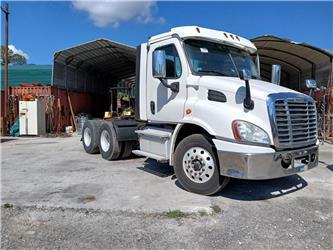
[[87, 136], [105, 140], [198, 165]]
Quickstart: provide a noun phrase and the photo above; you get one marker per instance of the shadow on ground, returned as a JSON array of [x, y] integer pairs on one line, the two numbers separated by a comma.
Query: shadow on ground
[[328, 166], [156, 168], [2, 140], [237, 189], [250, 190]]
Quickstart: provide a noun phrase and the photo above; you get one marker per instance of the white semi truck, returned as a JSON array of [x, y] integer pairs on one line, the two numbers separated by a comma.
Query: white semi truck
[[201, 105]]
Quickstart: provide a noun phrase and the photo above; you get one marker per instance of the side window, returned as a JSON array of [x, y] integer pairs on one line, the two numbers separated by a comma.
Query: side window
[[173, 65]]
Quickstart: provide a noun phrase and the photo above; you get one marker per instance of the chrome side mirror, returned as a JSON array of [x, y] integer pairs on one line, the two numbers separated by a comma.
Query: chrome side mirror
[[245, 74], [258, 64], [311, 84], [159, 64], [276, 74]]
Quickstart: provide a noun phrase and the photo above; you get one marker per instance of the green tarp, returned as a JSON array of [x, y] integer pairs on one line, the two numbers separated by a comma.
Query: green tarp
[[28, 73]]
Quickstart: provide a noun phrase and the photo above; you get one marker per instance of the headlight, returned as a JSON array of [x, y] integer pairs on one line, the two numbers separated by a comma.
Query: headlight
[[245, 131]]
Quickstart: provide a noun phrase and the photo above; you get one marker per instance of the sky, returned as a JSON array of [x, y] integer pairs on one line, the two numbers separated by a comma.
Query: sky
[[39, 29]]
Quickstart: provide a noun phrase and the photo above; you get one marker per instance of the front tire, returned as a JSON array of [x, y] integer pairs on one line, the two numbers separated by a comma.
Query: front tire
[[196, 166]]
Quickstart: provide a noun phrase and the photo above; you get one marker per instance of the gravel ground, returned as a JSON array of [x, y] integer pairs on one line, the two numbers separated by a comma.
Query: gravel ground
[[53, 202], [260, 227]]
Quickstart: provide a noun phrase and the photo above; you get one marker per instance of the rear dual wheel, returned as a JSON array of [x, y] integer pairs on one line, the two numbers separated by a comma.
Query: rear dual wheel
[[196, 166], [126, 149], [109, 147], [90, 136]]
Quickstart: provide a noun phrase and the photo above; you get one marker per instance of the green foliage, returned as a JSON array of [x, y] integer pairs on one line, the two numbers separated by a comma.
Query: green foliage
[[175, 214], [8, 205], [12, 58]]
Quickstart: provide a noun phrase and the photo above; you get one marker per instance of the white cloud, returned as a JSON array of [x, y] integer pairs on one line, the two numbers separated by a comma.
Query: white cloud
[[105, 12], [18, 51]]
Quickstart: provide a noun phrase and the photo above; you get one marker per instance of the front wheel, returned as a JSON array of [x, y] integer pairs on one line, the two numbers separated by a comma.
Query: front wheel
[[196, 166]]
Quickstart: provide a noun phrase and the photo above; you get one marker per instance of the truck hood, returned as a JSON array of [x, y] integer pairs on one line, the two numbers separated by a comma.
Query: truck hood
[[259, 89]]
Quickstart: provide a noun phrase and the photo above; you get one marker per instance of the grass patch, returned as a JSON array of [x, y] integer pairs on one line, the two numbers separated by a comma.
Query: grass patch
[[216, 209], [8, 205], [175, 214]]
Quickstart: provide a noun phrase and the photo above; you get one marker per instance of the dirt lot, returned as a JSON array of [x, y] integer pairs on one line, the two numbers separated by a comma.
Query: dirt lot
[[54, 195]]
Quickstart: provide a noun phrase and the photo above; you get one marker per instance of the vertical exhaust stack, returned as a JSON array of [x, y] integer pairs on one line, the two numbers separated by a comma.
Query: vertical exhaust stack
[[276, 74]]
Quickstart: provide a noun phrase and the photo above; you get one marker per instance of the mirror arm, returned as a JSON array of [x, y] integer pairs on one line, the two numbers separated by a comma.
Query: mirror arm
[[163, 81], [173, 86], [248, 102]]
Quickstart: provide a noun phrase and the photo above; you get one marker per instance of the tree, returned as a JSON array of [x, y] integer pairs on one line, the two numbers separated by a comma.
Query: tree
[[12, 57]]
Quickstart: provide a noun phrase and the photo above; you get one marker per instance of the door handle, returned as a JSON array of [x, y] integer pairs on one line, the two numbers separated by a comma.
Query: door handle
[[152, 107], [195, 86]]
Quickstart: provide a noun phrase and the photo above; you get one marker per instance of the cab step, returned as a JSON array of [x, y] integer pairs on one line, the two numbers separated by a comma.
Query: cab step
[[150, 155]]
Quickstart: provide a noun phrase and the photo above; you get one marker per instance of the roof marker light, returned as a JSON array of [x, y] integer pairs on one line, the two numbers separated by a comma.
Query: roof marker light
[[237, 38], [198, 30], [232, 37], [225, 35]]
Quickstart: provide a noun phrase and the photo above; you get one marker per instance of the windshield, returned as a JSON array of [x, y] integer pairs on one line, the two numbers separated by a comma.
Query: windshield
[[209, 58]]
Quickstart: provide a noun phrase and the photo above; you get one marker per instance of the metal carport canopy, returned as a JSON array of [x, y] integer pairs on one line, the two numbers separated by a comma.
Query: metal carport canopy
[[102, 57], [298, 59]]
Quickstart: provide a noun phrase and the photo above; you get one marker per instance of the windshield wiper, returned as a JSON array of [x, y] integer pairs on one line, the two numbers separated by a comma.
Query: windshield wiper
[[212, 71]]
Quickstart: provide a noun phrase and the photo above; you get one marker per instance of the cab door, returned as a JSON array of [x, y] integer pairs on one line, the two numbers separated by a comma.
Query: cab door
[[164, 105]]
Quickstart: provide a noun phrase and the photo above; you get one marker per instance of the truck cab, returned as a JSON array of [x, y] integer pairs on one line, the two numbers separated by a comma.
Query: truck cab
[[207, 112]]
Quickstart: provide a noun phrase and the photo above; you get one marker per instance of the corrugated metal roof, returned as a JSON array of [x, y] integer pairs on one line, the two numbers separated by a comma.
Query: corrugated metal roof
[[294, 57], [102, 55]]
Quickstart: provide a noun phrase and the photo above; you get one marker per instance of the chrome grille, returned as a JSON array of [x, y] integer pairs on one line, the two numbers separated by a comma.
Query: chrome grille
[[294, 121]]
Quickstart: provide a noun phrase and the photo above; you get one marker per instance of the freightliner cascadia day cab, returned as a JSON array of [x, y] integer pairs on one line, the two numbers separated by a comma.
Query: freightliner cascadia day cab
[[201, 105]]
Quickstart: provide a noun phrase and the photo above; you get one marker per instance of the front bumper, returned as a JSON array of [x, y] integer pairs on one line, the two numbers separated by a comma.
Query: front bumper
[[253, 162]]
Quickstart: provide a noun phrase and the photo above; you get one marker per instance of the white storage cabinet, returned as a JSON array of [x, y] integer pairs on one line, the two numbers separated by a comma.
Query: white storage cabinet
[[32, 117]]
